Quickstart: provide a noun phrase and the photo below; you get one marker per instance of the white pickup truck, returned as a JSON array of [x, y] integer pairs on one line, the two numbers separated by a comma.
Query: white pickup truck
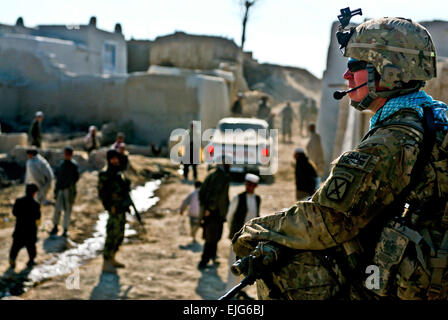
[[246, 140]]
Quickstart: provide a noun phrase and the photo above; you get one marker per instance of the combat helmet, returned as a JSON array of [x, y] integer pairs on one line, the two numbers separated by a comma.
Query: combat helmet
[[398, 50]]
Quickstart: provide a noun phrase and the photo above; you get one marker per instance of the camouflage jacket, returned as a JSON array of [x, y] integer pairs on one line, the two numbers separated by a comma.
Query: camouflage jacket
[[113, 190], [362, 184]]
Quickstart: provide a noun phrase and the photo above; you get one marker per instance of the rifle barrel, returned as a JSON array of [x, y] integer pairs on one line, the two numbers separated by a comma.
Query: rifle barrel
[[240, 286]]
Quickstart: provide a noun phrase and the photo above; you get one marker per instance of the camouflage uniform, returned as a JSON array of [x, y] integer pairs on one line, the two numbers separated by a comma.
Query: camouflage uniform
[[303, 112], [349, 222], [287, 117], [113, 190]]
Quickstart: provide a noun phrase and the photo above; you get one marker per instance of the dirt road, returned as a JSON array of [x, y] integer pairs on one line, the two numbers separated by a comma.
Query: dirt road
[[161, 264]]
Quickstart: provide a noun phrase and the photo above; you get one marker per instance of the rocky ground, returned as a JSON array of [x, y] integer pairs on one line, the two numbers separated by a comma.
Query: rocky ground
[[161, 263]]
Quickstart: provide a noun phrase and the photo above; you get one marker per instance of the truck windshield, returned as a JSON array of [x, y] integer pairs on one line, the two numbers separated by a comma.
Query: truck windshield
[[243, 126]]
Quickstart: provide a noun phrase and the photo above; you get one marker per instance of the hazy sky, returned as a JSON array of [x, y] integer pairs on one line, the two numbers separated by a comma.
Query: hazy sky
[[286, 32]]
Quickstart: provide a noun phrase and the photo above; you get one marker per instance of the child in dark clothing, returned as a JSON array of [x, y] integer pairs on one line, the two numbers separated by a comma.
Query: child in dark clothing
[[27, 213]]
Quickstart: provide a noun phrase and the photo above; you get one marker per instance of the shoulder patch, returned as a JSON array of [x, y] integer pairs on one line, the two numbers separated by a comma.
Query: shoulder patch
[[355, 159], [338, 185]]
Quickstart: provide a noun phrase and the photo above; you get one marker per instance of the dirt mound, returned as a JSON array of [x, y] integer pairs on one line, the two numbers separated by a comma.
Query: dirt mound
[[282, 83]]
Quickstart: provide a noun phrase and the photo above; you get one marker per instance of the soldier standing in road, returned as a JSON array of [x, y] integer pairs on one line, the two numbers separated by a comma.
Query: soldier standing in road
[[67, 175], [214, 202], [113, 190], [287, 117], [385, 202], [35, 132], [303, 112]]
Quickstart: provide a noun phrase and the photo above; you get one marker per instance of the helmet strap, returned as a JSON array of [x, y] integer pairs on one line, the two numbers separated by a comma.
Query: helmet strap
[[365, 103], [389, 94]]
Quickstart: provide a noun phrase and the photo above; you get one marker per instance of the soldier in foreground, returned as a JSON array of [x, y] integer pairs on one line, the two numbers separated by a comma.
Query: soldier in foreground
[[113, 190], [384, 205]]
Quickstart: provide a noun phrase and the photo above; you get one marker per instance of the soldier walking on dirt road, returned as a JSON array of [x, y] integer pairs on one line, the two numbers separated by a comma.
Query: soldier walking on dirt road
[[113, 190]]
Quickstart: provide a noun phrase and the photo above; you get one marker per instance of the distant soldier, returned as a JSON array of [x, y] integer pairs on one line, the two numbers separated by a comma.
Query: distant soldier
[[214, 202], [192, 202], [67, 175], [38, 171], [113, 190], [313, 111], [124, 157], [27, 213], [35, 134], [92, 142], [263, 109], [303, 113], [314, 149], [237, 108], [244, 207], [120, 139], [306, 175], [287, 117]]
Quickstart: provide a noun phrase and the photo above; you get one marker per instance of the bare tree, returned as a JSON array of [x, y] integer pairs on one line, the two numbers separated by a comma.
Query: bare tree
[[246, 6]]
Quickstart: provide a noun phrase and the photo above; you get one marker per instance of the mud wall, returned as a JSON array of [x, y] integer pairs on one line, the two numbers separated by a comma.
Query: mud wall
[[194, 52], [151, 105]]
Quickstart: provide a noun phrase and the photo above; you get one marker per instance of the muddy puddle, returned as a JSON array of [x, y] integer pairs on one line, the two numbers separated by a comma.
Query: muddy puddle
[[68, 256]]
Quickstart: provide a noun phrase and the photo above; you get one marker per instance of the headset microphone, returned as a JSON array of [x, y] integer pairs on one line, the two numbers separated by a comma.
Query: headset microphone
[[338, 95]]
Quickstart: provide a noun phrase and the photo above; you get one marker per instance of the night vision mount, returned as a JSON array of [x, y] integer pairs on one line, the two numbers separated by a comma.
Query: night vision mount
[[344, 19]]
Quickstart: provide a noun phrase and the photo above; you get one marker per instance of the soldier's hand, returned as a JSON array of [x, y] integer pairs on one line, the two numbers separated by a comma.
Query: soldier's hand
[[261, 260], [206, 213]]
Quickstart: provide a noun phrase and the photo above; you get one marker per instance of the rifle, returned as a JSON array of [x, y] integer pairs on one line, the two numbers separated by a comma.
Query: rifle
[[257, 265], [247, 281], [137, 214]]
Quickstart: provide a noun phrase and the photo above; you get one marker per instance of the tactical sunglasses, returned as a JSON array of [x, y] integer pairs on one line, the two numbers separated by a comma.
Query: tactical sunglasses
[[354, 65]]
